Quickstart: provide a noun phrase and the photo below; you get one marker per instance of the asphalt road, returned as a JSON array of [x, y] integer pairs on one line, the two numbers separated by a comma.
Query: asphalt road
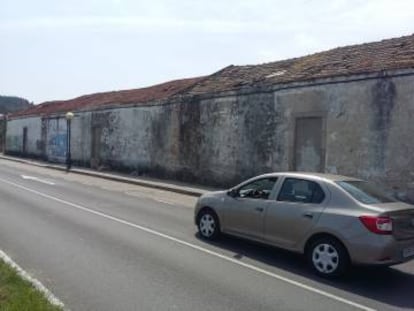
[[104, 245]]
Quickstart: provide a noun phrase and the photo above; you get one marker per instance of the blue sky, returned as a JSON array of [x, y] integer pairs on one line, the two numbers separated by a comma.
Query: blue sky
[[62, 49]]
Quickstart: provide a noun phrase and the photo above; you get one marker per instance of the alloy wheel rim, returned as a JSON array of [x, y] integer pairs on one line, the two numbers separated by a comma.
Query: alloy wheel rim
[[325, 258], [207, 225]]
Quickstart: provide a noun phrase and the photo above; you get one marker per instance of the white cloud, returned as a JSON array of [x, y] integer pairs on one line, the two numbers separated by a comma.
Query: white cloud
[[131, 23], [260, 16]]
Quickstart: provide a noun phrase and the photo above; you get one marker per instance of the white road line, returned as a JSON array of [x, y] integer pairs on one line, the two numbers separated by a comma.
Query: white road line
[[37, 179], [196, 247], [35, 283], [162, 201]]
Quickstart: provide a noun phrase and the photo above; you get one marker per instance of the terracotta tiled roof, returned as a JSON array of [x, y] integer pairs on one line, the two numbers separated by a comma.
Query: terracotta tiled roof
[[135, 96], [365, 58]]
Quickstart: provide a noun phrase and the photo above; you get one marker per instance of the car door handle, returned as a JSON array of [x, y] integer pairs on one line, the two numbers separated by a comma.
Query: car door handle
[[259, 209], [308, 215]]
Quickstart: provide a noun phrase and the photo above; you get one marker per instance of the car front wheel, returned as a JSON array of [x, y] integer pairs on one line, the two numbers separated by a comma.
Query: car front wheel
[[208, 225]]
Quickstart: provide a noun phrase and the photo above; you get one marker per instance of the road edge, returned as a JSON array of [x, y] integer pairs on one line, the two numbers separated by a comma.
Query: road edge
[[50, 297]]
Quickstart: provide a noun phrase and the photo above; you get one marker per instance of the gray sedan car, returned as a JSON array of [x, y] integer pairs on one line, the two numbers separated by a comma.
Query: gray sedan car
[[333, 220]]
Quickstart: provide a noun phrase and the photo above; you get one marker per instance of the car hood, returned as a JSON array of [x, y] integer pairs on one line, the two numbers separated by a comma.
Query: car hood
[[214, 194]]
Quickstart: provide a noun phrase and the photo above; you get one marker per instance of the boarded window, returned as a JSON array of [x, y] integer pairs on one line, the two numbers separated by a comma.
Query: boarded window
[[24, 140], [309, 152]]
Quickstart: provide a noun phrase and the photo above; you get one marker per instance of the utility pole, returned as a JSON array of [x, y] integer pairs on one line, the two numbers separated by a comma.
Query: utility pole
[[69, 116]]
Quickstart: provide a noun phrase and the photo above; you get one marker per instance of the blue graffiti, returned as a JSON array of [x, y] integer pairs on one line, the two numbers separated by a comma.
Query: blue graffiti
[[58, 145]]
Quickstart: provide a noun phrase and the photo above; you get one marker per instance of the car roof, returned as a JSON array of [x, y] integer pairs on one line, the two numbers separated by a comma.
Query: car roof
[[311, 175]]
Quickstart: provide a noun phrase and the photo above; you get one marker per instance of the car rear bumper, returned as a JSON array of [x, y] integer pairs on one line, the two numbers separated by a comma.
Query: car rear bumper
[[381, 250]]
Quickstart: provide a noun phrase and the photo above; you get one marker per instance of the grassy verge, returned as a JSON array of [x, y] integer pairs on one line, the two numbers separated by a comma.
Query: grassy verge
[[17, 294]]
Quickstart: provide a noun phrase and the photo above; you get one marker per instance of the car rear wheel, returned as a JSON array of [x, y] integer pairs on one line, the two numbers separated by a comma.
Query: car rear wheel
[[328, 257], [208, 225]]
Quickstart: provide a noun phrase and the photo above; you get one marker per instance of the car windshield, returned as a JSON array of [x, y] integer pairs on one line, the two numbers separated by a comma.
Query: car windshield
[[366, 192]]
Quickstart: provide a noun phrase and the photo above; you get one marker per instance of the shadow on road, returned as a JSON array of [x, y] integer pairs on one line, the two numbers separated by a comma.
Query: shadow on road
[[390, 286]]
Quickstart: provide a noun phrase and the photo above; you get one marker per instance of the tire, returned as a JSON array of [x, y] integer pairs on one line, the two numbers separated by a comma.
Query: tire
[[208, 225], [328, 257]]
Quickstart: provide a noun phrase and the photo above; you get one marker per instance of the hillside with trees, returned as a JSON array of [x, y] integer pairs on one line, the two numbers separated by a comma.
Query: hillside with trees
[[12, 104]]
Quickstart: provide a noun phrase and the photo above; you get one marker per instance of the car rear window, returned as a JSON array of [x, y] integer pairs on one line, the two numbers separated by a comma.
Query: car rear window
[[366, 192]]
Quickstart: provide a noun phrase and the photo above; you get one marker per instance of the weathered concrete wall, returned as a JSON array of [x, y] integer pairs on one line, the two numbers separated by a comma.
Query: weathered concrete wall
[[370, 133], [366, 132], [56, 139], [81, 139], [215, 142], [14, 138], [240, 136], [127, 137], [368, 128]]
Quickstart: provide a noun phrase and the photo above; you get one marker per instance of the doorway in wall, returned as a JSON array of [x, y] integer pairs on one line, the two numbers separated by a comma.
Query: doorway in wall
[[96, 146], [309, 146], [24, 140]]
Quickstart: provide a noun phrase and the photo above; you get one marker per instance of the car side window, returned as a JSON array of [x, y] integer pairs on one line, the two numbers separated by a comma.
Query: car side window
[[258, 189], [300, 190]]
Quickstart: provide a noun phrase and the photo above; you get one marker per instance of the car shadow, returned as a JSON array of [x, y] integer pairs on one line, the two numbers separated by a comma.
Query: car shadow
[[390, 286]]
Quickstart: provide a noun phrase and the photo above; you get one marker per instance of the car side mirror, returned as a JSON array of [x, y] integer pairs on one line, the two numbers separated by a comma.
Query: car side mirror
[[233, 193]]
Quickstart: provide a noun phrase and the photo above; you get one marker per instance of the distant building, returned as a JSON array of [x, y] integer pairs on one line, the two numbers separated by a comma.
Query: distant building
[[348, 111]]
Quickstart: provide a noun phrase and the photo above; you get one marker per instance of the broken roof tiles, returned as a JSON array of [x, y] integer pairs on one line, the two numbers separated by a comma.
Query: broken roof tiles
[[391, 54]]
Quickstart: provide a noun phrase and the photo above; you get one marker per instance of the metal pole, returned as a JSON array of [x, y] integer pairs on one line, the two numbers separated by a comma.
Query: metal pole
[[68, 156]]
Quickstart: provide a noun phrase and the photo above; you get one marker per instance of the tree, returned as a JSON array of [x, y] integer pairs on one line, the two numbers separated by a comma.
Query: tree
[[13, 104]]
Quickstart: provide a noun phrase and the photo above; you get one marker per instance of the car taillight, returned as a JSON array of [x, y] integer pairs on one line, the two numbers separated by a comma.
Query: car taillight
[[378, 225]]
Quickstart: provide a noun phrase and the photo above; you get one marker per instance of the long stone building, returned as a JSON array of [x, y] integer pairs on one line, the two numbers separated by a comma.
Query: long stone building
[[348, 111]]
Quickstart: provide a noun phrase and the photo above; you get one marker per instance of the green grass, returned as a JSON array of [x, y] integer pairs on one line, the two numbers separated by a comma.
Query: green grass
[[17, 294]]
